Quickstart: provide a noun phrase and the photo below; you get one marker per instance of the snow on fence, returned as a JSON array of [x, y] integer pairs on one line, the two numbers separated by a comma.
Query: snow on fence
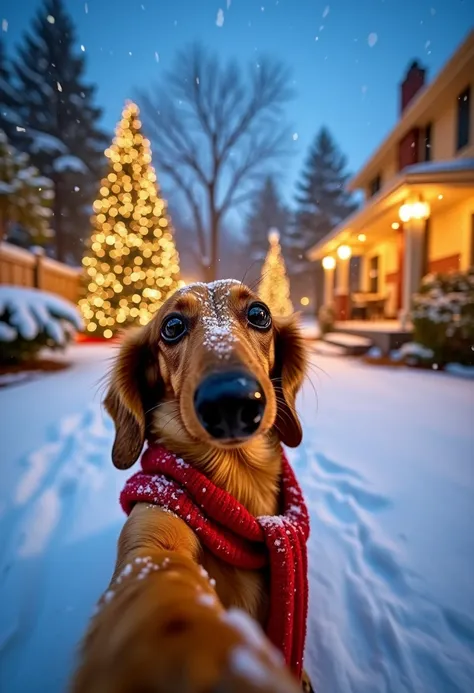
[[20, 267]]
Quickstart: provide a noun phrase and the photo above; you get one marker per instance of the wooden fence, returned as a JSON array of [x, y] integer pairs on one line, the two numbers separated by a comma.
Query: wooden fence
[[24, 268]]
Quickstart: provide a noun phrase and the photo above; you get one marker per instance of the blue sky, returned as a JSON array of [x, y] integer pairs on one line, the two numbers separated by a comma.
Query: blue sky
[[347, 56]]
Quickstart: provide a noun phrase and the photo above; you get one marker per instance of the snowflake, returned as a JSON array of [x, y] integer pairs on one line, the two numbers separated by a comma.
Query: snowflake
[[5, 25], [50, 19], [295, 136], [372, 39], [220, 18]]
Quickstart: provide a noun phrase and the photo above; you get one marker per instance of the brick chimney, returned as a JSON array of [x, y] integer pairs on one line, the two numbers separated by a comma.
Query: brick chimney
[[411, 85]]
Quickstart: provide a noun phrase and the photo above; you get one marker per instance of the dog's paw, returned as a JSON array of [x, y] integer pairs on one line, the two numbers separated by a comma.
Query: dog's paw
[[193, 648]]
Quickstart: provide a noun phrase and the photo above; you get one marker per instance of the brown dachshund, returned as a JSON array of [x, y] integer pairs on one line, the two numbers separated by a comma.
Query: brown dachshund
[[174, 382]]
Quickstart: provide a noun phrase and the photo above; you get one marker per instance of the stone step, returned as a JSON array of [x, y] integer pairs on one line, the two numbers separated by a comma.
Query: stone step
[[354, 345]]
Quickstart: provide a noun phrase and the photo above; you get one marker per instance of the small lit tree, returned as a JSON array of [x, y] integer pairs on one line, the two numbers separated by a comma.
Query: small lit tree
[[133, 265], [275, 285]]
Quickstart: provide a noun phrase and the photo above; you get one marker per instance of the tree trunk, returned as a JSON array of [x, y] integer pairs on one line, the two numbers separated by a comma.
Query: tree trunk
[[59, 240], [3, 228], [214, 228]]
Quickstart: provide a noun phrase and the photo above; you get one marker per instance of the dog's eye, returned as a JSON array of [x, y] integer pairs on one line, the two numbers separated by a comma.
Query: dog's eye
[[173, 328], [259, 316]]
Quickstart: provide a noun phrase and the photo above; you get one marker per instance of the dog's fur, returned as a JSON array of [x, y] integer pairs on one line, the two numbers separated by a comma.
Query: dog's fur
[[153, 635]]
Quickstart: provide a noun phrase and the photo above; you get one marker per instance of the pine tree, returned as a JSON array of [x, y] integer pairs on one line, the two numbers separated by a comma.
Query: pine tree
[[59, 123], [267, 212], [25, 198], [133, 265], [322, 199], [275, 286], [9, 97], [322, 203]]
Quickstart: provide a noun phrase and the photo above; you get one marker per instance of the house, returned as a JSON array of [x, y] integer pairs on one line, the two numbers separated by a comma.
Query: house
[[418, 211]]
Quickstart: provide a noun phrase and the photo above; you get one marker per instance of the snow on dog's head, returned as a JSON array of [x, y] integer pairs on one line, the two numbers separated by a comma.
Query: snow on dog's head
[[212, 370]]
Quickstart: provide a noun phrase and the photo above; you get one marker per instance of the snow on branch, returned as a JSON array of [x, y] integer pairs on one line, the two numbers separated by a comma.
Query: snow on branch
[[26, 313]]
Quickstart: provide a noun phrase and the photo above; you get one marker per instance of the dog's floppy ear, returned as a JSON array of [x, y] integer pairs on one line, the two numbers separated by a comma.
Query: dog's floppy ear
[[125, 399], [288, 374]]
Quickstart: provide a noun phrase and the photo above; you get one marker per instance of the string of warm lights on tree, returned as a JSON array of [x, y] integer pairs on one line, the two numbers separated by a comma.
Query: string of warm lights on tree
[[133, 264], [275, 285]]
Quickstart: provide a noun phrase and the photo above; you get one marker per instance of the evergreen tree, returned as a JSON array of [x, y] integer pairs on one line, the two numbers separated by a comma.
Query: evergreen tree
[[322, 203], [9, 97], [25, 198], [267, 212], [322, 200], [275, 286], [60, 123], [133, 265]]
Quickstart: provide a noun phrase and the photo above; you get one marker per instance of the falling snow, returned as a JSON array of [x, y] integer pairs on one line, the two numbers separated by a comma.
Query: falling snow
[[220, 18], [326, 11], [50, 19], [4, 25], [157, 57], [58, 84], [295, 136], [372, 39], [83, 48]]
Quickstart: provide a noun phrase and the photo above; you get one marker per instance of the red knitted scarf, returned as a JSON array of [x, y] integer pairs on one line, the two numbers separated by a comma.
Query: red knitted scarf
[[231, 533]]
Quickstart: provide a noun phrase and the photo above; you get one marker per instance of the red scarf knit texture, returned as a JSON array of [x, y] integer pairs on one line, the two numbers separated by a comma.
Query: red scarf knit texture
[[231, 533]]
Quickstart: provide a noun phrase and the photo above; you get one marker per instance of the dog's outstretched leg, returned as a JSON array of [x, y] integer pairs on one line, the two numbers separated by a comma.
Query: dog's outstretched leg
[[160, 626]]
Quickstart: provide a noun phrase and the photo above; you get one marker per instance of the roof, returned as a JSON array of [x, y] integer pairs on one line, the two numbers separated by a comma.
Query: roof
[[416, 110], [455, 171]]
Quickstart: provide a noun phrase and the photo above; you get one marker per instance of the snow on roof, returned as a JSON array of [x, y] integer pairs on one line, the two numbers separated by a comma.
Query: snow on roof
[[441, 166], [68, 162]]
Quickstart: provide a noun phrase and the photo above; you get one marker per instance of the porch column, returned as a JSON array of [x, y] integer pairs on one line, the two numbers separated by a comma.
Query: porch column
[[342, 282], [329, 264], [412, 268]]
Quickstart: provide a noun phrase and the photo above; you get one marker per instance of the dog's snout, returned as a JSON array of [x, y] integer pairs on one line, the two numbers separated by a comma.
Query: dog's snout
[[230, 405]]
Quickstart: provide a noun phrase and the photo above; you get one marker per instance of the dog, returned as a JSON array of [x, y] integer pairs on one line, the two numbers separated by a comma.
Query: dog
[[212, 378]]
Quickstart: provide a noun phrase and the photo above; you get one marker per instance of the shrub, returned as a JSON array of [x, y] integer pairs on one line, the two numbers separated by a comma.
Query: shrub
[[30, 320], [443, 317], [326, 318]]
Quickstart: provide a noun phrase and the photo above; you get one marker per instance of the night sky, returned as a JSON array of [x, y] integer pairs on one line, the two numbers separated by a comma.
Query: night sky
[[347, 56]]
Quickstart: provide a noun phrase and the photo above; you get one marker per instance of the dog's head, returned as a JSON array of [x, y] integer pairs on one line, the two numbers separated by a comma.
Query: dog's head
[[213, 369]]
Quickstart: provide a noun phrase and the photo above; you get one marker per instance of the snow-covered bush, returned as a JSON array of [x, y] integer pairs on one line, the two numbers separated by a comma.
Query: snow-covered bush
[[326, 318], [25, 195], [443, 317], [31, 319]]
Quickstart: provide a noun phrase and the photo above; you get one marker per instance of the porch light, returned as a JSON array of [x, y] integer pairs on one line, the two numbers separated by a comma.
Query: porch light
[[361, 237], [304, 301], [344, 252], [395, 225], [329, 262], [414, 210]]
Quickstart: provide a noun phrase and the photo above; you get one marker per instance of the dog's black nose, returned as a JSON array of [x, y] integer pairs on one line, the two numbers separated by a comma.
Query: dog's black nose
[[229, 405]]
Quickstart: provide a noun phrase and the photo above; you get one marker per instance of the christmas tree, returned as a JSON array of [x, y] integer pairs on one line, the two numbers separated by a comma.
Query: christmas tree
[[275, 286], [133, 265]]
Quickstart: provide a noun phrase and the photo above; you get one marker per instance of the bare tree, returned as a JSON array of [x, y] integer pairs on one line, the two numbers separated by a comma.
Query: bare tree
[[214, 130]]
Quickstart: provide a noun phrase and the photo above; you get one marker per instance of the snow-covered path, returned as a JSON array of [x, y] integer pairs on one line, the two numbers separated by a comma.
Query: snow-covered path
[[388, 469]]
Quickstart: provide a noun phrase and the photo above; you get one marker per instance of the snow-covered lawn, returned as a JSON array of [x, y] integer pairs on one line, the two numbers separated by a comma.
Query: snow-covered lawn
[[387, 465]]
